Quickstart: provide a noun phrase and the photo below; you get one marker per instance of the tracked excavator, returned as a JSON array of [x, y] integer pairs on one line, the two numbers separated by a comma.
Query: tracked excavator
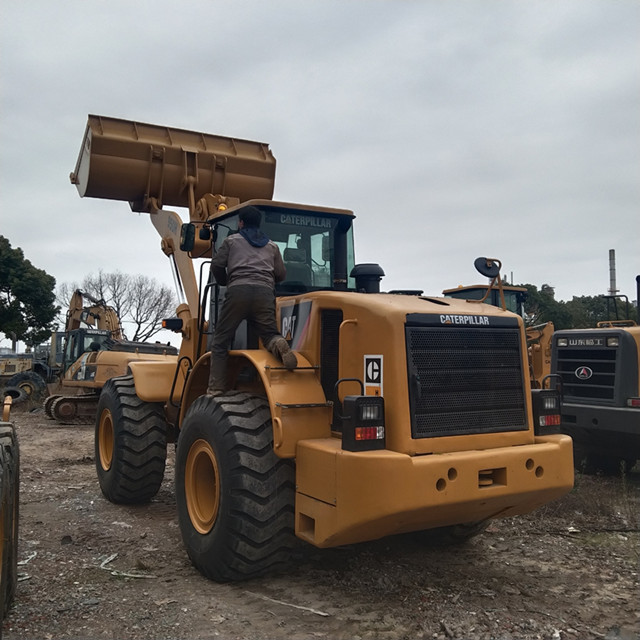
[[94, 350], [405, 413]]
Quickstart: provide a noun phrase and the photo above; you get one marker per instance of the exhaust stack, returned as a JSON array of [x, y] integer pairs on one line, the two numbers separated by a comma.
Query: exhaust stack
[[612, 273]]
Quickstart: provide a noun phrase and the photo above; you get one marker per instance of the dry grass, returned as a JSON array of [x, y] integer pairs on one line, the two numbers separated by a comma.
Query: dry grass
[[596, 503]]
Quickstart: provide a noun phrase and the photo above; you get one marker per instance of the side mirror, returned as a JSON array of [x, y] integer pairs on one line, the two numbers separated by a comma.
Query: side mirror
[[488, 267], [187, 236]]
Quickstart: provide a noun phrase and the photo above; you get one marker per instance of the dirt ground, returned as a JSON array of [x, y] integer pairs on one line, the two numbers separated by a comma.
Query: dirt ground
[[91, 569]]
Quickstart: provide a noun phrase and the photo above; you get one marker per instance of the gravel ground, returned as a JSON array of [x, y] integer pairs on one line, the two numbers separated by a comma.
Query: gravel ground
[[91, 569]]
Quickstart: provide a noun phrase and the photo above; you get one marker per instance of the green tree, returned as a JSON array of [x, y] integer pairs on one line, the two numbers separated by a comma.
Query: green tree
[[27, 298], [587, 311], [541, 306]]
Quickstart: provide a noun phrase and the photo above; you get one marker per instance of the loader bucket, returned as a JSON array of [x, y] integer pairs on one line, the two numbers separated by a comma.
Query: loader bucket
[[133, 161]]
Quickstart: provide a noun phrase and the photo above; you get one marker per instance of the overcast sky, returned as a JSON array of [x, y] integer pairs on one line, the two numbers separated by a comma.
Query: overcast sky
[[452, 129]]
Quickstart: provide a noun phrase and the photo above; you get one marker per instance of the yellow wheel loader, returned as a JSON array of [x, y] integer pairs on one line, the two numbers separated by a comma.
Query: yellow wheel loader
[[405, 412]]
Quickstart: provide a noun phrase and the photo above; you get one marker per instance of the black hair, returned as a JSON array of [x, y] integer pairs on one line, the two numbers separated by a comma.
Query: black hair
[[251, 216]]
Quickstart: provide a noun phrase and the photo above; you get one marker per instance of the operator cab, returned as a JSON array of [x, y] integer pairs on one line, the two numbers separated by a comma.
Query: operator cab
[[514, 297], [80, 341], [316, 244]]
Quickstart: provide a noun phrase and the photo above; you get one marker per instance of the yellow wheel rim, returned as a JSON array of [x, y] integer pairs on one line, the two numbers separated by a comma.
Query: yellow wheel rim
[[202, 486], [27, 387], [105, 440]]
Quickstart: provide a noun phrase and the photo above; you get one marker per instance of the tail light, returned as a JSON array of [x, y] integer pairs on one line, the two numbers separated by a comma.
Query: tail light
[[546, 410], [363, 423]]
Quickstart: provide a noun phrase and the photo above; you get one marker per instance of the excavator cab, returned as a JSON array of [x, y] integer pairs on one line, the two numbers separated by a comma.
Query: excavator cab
[[79, 341]]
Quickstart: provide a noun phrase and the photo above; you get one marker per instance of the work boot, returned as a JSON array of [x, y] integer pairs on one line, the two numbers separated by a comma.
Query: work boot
[[214, 393], [280, 348]]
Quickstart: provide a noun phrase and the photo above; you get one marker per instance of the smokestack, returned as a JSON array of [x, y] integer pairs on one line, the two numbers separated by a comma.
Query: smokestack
[[612, 272], [638, 297]]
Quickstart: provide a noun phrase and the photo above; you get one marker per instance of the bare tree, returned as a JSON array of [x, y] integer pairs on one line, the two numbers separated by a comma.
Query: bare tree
[[140, 302], [149, 303]]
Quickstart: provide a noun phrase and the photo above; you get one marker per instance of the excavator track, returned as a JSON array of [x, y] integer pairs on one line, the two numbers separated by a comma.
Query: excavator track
[[72, 409], [46, 405]]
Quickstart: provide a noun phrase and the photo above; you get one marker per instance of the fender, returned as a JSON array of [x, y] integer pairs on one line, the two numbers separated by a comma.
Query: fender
[[299, 409], [153, 380]]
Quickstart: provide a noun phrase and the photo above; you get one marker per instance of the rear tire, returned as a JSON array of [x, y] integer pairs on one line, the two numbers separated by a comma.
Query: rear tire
[[235, 497], [130, 443], [9, 515]]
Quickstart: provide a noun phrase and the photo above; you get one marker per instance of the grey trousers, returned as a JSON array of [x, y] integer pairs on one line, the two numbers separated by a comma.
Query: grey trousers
[[257, 305]]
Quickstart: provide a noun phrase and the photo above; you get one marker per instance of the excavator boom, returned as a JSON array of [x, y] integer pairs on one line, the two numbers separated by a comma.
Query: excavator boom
[[98, 315]]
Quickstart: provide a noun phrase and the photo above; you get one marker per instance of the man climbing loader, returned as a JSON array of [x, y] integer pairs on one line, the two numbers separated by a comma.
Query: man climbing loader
[[405, 412]]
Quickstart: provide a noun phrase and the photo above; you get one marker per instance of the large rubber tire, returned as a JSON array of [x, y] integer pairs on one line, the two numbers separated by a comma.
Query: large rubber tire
[[32, 383], [130, 443], [17, 394], [235, 497], [10, 514]]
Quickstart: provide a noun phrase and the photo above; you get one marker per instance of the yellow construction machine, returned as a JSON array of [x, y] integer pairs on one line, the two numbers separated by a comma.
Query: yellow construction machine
[[94, 349], [513, 298], [600, 373], [405, 413]]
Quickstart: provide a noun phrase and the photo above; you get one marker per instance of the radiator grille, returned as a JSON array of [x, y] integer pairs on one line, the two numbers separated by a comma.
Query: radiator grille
[[465, 380], [601, 363]]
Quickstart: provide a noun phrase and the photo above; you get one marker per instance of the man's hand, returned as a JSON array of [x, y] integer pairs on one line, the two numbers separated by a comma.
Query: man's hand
[[220, 274]]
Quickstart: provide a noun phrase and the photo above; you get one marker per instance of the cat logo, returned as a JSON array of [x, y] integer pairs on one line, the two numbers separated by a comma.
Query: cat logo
[[288, 327], [373, 375]]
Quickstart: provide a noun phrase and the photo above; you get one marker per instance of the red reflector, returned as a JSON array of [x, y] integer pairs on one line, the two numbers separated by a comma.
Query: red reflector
[[634, 402], [369, 433], [548, 421]]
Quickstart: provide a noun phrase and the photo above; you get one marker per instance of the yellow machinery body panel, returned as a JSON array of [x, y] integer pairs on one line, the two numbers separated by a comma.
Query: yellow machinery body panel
[[345, 497], [94, 368], [374, 326]]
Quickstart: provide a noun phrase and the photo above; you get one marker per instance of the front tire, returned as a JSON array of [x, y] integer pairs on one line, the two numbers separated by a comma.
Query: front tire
[[235, 497], [130, 443]]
